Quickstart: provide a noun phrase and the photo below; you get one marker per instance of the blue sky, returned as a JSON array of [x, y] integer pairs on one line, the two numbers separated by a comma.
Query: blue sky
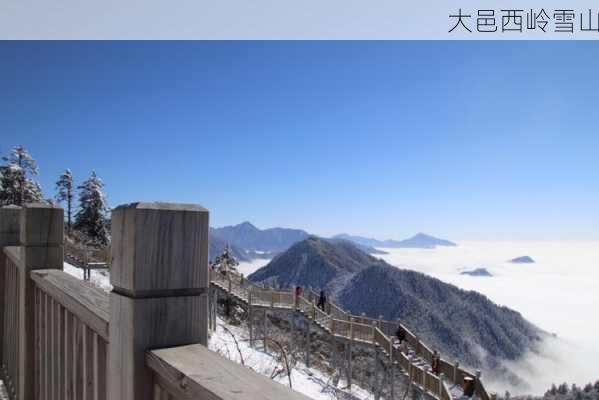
[[465, 140]]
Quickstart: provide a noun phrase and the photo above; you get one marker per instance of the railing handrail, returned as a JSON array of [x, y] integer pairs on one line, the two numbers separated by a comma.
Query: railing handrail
[[90, 304], [194, 372], [420, 347], [14, 254]]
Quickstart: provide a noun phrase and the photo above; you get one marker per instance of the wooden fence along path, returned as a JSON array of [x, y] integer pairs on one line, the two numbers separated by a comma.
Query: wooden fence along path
[[63, 339], [414, 358]]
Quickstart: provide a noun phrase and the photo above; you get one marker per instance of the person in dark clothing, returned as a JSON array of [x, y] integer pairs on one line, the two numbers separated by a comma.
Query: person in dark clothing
[[436, 363], [401, 334], [322, 300]]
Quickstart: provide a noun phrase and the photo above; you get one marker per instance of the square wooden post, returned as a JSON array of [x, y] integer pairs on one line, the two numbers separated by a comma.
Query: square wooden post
[[42, 238], [160, 289]]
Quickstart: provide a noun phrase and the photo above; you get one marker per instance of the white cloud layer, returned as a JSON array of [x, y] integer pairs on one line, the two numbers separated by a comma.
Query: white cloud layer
[[559, 293]]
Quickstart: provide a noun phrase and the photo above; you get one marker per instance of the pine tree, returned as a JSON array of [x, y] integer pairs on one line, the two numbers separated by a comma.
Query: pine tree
[[15, 185], [563, 388], [64, 186], [91, 218]]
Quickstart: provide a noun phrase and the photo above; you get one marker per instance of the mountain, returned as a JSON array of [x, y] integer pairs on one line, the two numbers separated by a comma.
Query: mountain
[[522, 260], [364, 241], [216, 246], [464, 325], [365, 248], [419, 241], [477, 272], [424, 241], [249, 238], [315, 262]]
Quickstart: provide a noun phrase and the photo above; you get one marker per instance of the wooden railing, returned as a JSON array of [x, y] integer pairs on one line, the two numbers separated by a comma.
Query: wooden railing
[[194, 372], [71, 334], [10, 344], [362, 328], [64, 339]]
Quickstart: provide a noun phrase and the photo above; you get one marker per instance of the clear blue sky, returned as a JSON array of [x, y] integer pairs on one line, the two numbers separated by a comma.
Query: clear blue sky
[[464, 140]]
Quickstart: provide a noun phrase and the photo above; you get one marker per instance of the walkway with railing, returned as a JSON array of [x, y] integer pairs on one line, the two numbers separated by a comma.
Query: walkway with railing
[[414, 357], [63, 339]]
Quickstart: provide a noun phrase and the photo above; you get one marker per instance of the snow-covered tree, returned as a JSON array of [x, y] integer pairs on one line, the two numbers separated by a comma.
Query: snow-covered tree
[[91, 218], [64, 187], [225, 262], [16, 185]]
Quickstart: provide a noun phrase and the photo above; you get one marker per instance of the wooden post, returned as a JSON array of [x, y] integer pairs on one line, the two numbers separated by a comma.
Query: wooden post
[[308, 345], [291, 329], [295, 300], [391, 370], [441, 378], [374, 333], [160, 289], [10, 226], [250, 318], [410, 374], [264, 332], [251, 325], [456, 370], [272, 298], [333, 345], [210, 327], [41, 237], [214, 307], [349, 349], [375, 388]]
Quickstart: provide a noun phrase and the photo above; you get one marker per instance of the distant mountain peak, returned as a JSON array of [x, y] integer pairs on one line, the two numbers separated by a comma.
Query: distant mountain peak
[[248, 237], [477, 272], [424, 241], [522, 260], [420, 240]]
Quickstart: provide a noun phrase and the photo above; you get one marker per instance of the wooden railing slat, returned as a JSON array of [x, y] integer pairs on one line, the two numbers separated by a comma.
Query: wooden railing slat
[[90, 304]]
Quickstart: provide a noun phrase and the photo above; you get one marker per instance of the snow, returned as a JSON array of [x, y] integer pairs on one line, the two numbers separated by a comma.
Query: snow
[[100, 278], [308, 381]]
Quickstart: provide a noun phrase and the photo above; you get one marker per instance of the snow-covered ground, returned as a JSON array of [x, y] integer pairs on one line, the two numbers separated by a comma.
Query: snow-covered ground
[[559, 293], [308, 381], [100, 278]]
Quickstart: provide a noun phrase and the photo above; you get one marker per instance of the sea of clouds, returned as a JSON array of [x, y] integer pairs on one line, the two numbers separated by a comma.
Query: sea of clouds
[[559, 293]]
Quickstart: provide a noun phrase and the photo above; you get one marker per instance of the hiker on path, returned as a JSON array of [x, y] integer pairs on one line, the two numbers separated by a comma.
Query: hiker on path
[[322, 300]]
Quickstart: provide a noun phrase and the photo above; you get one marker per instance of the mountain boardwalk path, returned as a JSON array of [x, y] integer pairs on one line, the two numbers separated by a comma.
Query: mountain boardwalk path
[[424, 368]]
